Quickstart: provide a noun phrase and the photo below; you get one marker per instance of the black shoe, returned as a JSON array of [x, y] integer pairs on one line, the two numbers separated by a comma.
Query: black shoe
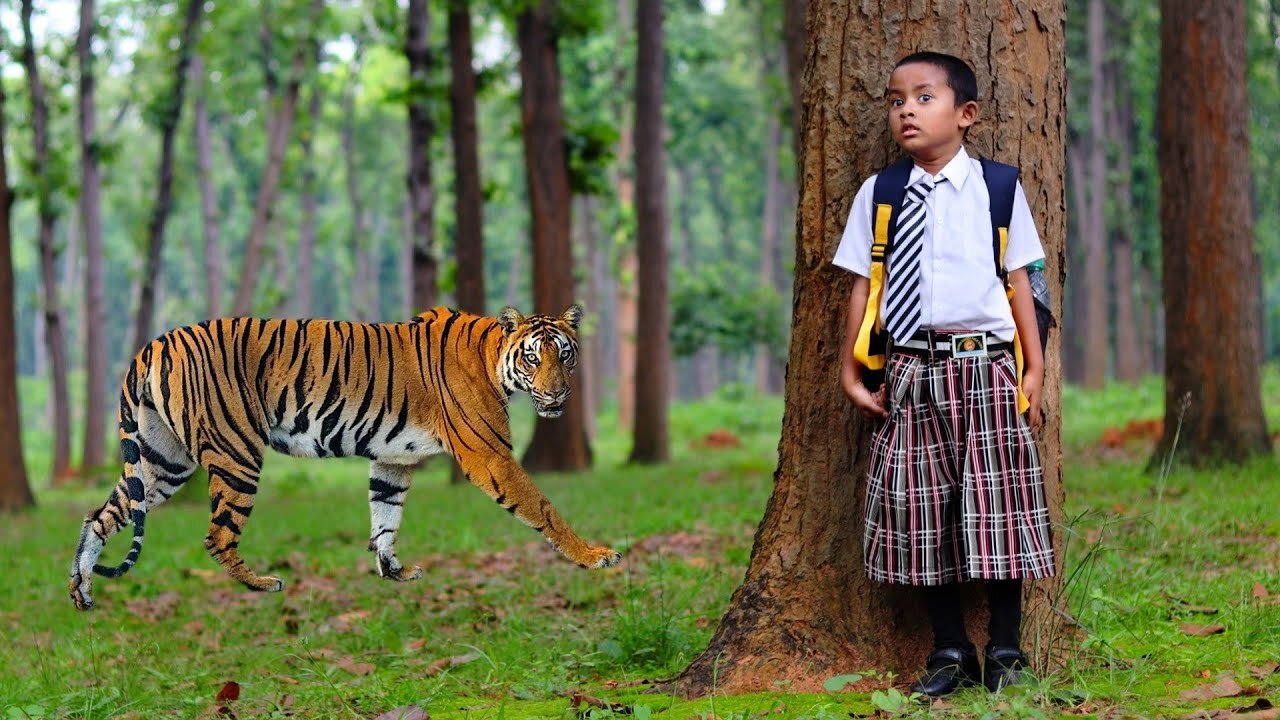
[[1004, 666], [947, 670]]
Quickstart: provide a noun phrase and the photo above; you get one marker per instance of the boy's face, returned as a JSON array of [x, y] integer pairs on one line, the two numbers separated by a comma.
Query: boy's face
[[923, 114]]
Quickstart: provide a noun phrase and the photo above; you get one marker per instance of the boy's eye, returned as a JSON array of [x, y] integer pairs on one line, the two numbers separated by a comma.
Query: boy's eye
[[925, 98], [895, 102]]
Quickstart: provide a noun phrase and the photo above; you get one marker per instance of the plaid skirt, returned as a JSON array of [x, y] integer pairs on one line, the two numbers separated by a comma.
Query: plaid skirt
[[955, 490]]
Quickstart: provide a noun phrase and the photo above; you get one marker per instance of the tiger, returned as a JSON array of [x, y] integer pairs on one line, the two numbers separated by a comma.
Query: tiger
[[218, 393]]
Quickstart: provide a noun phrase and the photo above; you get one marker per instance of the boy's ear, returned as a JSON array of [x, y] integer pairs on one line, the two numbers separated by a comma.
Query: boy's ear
[[968, 114]]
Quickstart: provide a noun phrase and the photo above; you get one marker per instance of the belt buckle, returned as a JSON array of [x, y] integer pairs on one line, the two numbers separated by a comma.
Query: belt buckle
[[969, 345]]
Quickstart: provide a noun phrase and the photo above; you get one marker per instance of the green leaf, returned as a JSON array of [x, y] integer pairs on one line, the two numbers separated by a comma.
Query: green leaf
[[837, 683]]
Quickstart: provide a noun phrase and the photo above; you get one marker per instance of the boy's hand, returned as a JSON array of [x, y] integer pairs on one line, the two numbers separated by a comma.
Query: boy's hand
[[871, 404], [1031, 386]]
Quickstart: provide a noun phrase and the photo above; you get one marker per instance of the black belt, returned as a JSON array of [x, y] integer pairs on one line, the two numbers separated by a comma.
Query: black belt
[[935, 346]]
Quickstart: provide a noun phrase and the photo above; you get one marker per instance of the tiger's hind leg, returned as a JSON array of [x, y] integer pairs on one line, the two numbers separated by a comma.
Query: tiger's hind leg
[[98, 527], [232, 488], [388, 485], [166, 463]]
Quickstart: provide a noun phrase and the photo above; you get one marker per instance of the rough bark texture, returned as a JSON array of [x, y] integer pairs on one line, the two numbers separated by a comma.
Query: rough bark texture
[[280, 124], [467, 197], [50, 323], [304, 292], [651, 443], [422, 200], [558, 444], [15, 491], [1210, 268], [212, 250], [95, 305], [806, 611], [143, 328]]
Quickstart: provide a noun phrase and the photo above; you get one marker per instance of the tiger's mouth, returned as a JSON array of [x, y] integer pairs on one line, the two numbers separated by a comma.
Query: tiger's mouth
[[549, 410]]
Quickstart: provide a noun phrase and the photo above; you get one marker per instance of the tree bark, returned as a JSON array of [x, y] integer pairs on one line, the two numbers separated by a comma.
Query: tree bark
[[1093, 280], [95, 306], [50, 322], [1210, 268], [212, 250], [625, 285], [651, 443], [806, 611], [15, 491], [421, 193], [558, 444], [143, 329], [468, 199], [279, 126]]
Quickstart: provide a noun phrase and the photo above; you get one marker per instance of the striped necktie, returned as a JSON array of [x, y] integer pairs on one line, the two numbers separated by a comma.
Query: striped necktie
[[902, 298]]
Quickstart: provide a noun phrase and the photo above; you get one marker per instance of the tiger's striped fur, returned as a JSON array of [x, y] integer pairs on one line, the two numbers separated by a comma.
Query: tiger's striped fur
[[217, 394]]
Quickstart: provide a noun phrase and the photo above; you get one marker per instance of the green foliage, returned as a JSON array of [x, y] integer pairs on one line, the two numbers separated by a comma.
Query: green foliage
[[707, 310]]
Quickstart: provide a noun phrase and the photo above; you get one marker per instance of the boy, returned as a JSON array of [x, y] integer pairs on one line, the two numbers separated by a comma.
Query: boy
[[955, 489]]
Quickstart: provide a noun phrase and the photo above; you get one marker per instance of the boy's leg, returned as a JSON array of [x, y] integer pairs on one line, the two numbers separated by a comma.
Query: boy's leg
[[953, 664], [947, 616], [1004, 662]]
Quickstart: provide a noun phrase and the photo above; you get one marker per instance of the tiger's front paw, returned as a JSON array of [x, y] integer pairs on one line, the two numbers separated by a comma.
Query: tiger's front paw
[[601, 557], [80, 593], [391, 569]]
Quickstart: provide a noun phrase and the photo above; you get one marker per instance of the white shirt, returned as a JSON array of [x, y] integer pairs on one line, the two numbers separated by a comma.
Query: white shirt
[[959, 288]]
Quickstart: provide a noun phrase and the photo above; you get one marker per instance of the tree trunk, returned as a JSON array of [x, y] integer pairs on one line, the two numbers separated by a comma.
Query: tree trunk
[[1120, 132], [806, 611], [95, 302], [1076, 291], [767, 368], [1093, 326], [50, 322], [558, 444], [143, 329], [304, 293], [15, 491], [360, 280], [212, 250], [421, 193], [584, 215], [468, 200], [279, 127], [625, 284], [651, 443], [1211, 334]]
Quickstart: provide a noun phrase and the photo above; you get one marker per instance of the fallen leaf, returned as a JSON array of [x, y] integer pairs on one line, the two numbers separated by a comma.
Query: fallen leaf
[[406, 712], [416, 644], [1258, 705], [287, 680], [355, 668], [1225, 687], [153, 609], [442, 664], [1201, 630], [1264, 670], [229, 692], [578, 698], [1260, 592]]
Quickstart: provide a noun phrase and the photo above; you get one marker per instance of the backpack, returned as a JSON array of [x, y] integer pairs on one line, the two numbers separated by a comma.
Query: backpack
[[871, 346]]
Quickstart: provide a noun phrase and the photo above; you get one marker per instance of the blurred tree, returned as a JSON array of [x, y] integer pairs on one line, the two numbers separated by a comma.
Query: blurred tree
[[95, 305], [1211, 270], [166, 112], [805, 601], [212, 247], [560, 444], [46, 181], [467, 197], [653, 319], [417, 49]]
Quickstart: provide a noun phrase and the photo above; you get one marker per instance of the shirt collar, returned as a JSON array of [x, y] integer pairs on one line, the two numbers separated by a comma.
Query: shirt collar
[[956, 171]]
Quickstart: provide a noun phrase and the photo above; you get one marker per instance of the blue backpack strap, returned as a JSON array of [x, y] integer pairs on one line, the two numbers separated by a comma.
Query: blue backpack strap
[[1002, 183]]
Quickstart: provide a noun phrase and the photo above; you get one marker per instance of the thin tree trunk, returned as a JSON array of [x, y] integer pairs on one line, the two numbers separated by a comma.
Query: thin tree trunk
[[558, 444], [1094, 324], [279, 128], [212, 250], [1120, 131], [767, 367], [806, 611], [15, 491], [1212, 342], [50, 322], [1076, 290], [421, 193], [360, 267], [143, 329], [653, 321], [304, 293], [625, 285], [95, 305], [589, 344], [468, 199], [795, 39]]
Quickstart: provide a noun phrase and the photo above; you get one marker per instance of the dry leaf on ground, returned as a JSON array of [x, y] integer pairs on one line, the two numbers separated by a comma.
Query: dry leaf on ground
[[436, 667], [349, 664], [229, 692], [1201, 630], [407, 712]]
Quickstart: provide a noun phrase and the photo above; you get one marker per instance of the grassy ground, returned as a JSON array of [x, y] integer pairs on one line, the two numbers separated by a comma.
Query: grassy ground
[[499, 628]]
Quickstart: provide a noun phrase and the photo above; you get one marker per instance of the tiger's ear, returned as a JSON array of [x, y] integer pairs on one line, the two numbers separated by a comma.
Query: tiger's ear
[[509, 318], [573, 315]]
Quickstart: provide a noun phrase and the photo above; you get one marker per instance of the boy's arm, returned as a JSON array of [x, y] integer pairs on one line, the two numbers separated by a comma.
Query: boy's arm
[[871, 404], [1024, 317]]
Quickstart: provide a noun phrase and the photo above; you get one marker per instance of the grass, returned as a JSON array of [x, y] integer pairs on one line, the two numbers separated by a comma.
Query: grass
[[1147, 555]]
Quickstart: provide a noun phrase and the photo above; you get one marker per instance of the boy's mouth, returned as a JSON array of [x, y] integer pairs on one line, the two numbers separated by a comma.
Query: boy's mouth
[[909, 130]]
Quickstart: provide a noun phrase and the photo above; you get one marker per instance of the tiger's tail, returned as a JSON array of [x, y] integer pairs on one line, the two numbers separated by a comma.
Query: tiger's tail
[[130, 493]]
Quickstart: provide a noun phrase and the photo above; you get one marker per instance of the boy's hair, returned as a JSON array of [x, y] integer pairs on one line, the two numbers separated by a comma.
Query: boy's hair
[[960, 76]]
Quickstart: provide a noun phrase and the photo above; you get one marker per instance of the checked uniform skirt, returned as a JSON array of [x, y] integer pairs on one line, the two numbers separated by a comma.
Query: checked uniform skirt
[[955, 491]]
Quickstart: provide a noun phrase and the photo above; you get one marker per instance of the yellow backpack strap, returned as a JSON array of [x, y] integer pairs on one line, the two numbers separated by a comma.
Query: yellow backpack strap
[[1002, 185], [871, 320], [1023, 403]]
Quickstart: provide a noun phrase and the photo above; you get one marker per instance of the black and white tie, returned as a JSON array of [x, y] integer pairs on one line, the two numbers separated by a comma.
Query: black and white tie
[[902, 299]]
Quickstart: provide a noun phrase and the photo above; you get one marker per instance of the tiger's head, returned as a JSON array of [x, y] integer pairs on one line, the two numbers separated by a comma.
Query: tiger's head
[[538, 355]]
